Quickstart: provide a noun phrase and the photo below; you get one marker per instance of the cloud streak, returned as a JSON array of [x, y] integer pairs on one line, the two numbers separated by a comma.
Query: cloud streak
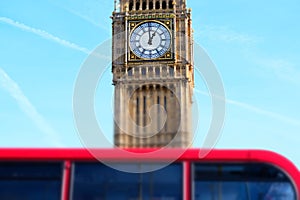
[[44, 34], [257, 110], [282, 69], [225, 34], [14, 90]]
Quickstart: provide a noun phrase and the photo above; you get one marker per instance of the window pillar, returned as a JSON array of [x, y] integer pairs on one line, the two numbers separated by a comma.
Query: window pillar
[[134, 4]]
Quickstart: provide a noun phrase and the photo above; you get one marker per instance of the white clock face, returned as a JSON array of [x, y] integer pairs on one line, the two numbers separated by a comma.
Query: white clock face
[[150, 40]]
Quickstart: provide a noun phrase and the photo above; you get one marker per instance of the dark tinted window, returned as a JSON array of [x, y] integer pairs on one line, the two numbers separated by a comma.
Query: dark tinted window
[[97, 181], [32, 181], [241, 182]]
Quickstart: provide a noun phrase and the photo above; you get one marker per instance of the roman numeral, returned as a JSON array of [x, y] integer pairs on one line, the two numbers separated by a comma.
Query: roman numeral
[[161, 46]]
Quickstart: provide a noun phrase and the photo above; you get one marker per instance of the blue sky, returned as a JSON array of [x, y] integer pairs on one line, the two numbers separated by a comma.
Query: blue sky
[[254, 44]]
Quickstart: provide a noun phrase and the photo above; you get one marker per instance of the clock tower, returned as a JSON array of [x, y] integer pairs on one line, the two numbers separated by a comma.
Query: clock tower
[[153, 73]]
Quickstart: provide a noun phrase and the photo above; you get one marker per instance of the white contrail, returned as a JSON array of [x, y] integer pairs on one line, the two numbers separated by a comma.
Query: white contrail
[[88, 19], [85, 12], [44, 34], [51, 37], [258, 110], [265, 112], [14, 90]]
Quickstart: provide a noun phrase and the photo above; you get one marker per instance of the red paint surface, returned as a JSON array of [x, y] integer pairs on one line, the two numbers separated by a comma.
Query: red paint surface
[[187, 180], [66, 180]]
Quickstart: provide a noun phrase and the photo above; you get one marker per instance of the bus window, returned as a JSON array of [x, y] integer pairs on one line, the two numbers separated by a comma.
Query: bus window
[[30, 181], [97, 181], [241, 182]]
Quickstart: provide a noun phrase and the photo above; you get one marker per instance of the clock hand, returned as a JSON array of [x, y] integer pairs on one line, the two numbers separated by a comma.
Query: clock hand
[[154, 33], [150, 39]]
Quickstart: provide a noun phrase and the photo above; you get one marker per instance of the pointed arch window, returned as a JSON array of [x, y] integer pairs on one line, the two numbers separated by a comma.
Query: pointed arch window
[[144, 6], [165, 103], [157, 5], [137, 110], [157, 71], [144, 71], [171, 4], [137, 6], [150, 5], [164, 5], [171, 71], [130, 5], [129, 72]]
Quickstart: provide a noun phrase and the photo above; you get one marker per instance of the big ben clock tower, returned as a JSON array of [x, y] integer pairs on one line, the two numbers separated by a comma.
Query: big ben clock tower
[[153, 73]]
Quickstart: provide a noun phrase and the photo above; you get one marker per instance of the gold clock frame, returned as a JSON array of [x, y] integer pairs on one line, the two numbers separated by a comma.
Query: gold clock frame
[[167, 23]]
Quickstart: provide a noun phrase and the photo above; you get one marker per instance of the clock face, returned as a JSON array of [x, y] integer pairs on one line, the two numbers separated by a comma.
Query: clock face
[[150, 40]]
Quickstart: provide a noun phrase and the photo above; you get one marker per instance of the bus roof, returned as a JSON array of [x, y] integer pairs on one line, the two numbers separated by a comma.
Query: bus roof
[[152, 155]]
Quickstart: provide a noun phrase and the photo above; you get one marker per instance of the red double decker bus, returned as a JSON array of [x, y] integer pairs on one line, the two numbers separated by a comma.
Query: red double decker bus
[[49, 174]]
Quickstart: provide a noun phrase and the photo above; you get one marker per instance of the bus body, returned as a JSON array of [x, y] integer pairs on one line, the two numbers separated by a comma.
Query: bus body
[[78, 174]]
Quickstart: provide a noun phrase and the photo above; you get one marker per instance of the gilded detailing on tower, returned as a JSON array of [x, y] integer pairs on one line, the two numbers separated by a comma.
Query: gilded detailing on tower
[[153, 73]]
